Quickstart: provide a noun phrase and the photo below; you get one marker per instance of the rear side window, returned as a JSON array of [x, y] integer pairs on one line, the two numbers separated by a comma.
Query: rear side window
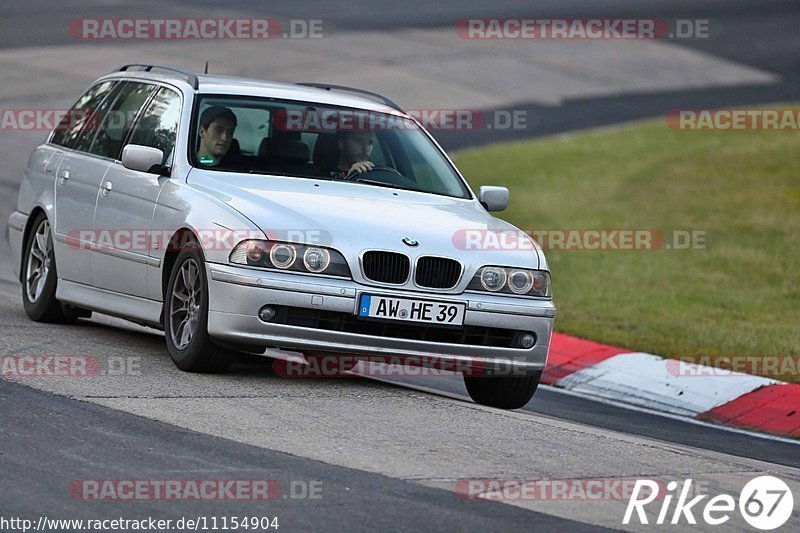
[[117, 123], [158, 126], [83, 113]]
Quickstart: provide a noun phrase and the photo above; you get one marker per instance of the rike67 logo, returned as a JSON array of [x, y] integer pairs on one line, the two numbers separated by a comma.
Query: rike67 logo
[[766, 503]]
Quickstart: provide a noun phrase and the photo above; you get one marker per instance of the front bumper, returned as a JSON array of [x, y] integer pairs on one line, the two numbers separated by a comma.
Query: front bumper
[[237, 293]]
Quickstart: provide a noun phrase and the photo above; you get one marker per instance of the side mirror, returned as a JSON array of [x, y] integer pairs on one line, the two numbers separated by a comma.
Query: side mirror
[[493, 198], [143, 159]]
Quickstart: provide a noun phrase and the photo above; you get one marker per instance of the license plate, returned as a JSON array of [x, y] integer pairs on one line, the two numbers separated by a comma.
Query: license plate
[[408, 310]]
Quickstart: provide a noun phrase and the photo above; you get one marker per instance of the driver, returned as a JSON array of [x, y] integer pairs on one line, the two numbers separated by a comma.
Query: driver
[[355, 147]]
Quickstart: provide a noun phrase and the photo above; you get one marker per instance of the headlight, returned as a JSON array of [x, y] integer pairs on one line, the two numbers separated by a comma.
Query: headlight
[[493, 279], [284, 256], [520, 281], [512, 281], [316, 259]]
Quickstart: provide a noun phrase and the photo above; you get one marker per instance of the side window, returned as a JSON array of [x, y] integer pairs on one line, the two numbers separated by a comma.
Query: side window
[[84, 112], [84, 141], [158, 126], [117, 123]]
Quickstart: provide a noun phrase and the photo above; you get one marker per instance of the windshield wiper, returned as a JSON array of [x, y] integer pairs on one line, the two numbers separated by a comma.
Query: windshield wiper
[[288, 175], [383, 184]]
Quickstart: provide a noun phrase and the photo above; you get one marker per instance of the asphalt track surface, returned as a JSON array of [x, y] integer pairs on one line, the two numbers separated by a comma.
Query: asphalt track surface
[[147, 426]]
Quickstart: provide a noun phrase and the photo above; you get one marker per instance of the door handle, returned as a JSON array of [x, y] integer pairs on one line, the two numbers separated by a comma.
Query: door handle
[[106, 188], [62, 179]]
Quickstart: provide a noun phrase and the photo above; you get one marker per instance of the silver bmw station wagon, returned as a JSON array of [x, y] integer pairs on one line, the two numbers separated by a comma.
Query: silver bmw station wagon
[[244, 215]]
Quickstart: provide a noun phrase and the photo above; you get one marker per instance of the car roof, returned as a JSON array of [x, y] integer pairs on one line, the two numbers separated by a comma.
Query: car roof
[[237, 86]]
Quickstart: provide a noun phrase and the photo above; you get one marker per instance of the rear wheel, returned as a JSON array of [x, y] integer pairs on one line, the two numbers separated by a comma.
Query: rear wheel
[[505, 392], [40, 277], [186, 318]]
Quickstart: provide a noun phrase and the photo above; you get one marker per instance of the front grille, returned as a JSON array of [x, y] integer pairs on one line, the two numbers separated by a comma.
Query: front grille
[[345, 322], [386, 267], [437, 272]]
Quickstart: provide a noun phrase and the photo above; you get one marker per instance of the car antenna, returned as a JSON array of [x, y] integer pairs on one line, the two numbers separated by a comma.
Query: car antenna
[[206, 69]]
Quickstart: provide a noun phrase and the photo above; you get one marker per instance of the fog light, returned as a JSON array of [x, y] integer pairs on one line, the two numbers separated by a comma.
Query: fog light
[[266, 313], [527, 340]]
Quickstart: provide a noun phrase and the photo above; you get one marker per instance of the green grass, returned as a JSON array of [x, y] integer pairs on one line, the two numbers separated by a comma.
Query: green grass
[[738, 296]]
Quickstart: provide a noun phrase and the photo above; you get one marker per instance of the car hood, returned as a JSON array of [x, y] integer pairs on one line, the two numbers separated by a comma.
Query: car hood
[[353, 217]]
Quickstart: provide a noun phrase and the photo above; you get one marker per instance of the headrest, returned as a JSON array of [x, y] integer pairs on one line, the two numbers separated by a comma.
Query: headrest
[[284, 149], [326, 151]]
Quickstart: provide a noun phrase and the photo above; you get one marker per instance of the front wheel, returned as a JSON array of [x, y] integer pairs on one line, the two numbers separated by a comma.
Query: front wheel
[[505, 392], [186, 318]]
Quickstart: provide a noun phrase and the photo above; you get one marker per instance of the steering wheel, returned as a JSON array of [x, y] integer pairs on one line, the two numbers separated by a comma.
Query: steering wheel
[[356, 175], [385, 169]]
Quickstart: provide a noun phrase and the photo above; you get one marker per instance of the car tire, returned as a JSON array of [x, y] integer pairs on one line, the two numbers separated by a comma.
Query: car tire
[[186, 317], [505, 392], [40, 277]]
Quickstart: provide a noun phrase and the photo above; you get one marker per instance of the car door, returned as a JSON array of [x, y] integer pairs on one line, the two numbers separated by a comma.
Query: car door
[[127, 201], [77, 178]]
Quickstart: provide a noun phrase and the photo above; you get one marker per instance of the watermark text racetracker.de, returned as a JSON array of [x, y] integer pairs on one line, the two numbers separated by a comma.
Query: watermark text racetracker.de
[[195, 489], [774, 366], [596, 239], [584, 28], [576, 489], [735, 119], [146, 240], [393, 366], [51, 119], [432, 119], [29, 366], [156, 29]]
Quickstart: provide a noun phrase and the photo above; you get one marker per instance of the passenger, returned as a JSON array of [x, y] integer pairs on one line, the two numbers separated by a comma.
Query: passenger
[[217, 124]]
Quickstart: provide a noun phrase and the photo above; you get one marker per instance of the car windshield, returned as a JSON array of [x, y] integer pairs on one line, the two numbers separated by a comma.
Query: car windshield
[[305, 140]]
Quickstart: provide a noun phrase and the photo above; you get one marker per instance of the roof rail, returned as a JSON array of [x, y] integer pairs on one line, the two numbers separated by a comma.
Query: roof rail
[[328, 87], [190, 76]]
